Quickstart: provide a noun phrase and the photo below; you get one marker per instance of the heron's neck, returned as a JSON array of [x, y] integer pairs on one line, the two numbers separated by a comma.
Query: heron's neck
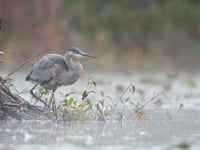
[[71, 64], [68, 61]]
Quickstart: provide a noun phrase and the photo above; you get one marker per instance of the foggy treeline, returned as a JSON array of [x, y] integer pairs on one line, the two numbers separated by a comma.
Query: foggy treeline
[[125, 34]]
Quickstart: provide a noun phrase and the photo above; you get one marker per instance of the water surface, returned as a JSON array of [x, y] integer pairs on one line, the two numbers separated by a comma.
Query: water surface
[[171, 121]]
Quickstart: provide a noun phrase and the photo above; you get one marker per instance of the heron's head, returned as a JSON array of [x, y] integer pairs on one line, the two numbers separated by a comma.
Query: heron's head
[[76, 52]]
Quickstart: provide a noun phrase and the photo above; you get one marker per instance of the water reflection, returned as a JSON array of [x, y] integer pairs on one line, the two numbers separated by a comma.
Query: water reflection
[[138, 133]]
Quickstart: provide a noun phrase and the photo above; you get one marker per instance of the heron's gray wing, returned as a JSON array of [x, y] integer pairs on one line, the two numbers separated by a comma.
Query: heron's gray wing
[[58, 59], [45, 69]]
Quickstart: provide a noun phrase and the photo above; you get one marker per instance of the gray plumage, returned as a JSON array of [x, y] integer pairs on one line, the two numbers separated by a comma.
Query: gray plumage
[[54, 70]]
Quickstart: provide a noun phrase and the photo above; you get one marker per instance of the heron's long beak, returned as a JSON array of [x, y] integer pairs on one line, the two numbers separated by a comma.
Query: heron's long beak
[[88, 55]]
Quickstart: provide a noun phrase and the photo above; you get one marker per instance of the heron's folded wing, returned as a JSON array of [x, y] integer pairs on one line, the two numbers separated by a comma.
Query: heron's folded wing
[[43, 70]]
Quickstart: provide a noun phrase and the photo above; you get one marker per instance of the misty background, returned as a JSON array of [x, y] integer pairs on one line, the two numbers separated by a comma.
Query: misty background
[[125, 35]]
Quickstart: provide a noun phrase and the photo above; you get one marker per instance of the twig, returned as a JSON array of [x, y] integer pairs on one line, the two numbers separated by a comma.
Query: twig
[[12, 104], [141, 107], [21, 65], [25, 62], [120, 98]]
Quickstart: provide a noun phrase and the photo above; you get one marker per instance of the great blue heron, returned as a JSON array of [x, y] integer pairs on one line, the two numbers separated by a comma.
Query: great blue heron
[[54, 70]]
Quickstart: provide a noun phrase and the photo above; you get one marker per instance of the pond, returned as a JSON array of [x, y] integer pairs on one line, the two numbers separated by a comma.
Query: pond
[[170, 121]]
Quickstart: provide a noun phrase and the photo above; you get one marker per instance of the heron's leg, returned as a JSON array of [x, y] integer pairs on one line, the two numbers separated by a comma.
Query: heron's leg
[[33, 94], [51, 99], [52, 103]]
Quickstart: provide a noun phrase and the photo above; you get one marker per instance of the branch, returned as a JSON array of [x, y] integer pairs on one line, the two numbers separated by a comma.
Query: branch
[[21, 65], [141, 107]]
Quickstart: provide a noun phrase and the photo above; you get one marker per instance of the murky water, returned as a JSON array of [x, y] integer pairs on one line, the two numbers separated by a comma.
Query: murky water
[[171, 121], [141, 134]]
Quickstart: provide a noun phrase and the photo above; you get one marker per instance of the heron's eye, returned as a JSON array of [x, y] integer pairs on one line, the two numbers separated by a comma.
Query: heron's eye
[[75, 51]]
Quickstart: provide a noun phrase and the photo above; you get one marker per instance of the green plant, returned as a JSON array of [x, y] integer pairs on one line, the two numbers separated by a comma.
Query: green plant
[[95, 104]]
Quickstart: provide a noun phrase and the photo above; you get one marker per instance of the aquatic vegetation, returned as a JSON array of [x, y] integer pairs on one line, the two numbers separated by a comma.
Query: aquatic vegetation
[[181, 145], [171, 75], [95, 104], [181, 106], [148, 80], [191, 82]]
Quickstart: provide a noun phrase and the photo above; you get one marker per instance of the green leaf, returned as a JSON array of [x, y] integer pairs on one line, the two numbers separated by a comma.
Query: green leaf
[[109, 97], [102, 93], [75, 103], [70, 101], [181, 106], [87, 108]]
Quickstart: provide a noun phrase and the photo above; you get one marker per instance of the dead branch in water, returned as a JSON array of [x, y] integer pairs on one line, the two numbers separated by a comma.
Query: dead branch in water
[[13, 107]]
